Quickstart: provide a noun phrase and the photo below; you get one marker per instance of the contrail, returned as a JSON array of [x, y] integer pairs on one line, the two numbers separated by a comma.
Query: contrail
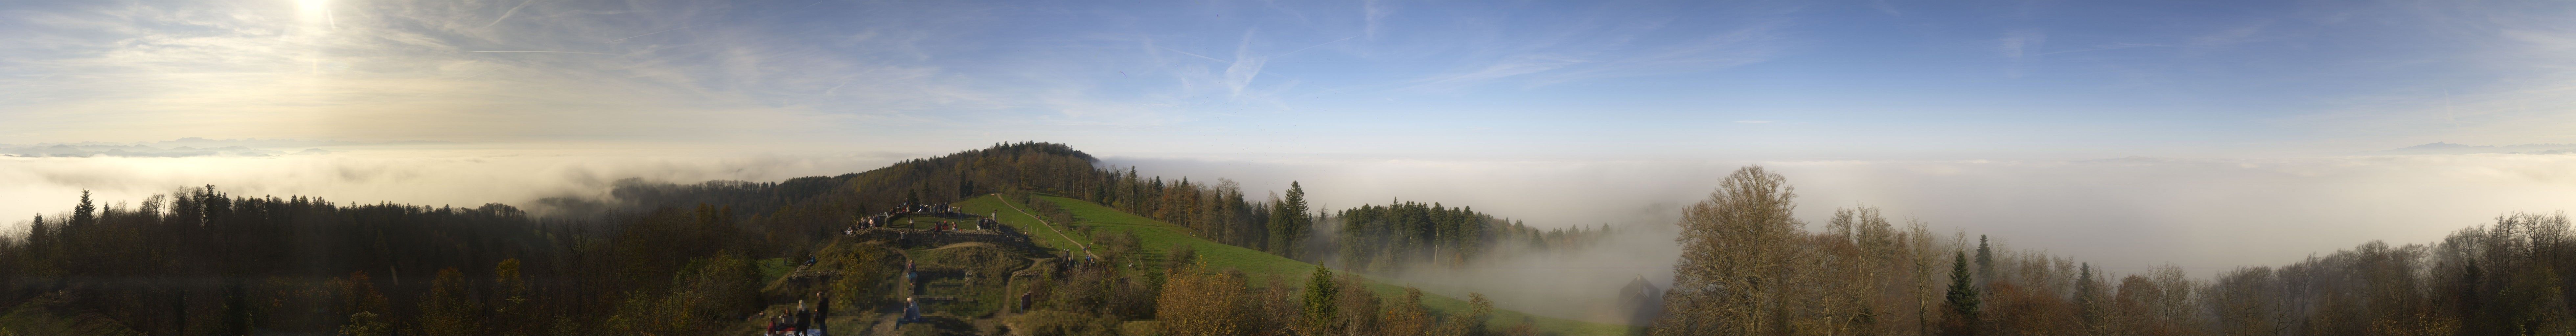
[[1200, 56], [1318, 45], [651, 33], [480, 74], [505, 15], [1218, 60], [537, 51], [581, 52]]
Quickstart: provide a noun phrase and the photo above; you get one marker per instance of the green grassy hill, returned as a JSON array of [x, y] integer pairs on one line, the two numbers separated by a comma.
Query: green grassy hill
[[1159, 237], [53, 315]]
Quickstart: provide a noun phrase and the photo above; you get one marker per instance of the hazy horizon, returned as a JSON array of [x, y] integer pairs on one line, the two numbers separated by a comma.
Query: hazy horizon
[[2125, 214]]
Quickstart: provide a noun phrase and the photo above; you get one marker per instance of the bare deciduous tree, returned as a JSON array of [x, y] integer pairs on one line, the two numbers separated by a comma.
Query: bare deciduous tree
[[1737, 249]]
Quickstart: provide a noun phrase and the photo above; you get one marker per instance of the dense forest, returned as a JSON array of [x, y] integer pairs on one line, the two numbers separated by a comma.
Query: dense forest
[[1750, 268], [654, 258], [1392, 236]]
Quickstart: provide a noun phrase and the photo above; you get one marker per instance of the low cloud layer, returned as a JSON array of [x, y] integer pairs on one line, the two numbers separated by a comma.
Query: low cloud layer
[[1583, 284], [186, 147], [2452, 148], [2124, 215], [52, 185]]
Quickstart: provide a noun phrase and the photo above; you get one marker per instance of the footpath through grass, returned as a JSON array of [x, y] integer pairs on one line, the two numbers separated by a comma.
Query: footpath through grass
[[1159, 237], [1028, 225]]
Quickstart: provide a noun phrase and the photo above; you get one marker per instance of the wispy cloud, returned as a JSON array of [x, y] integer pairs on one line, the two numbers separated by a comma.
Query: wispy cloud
[[436, 70], [1372, 16], [2019, 44], [1516, 66], [1883, 6], [1623, 43], [1245, 67], [505, 15], [2113, 46], [2529, 95], [2231, 36]]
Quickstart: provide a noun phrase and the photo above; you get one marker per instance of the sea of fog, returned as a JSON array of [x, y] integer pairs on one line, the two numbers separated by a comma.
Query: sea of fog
[[2123, 215]]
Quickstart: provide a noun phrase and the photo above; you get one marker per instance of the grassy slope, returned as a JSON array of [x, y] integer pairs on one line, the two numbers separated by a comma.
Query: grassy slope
[[1159, 236], [988, 205], [36, 318], [978, 299]]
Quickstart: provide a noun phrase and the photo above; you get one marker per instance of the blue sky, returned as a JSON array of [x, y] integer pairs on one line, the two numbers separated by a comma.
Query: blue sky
[[1576, 80]]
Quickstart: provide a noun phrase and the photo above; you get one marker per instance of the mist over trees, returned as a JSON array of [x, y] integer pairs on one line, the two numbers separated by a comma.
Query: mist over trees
[[656, 258], [1750, 268], [660, 258], [1403, 233]]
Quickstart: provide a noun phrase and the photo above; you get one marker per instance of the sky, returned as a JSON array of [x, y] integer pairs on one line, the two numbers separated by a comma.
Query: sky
[[2195, 132]]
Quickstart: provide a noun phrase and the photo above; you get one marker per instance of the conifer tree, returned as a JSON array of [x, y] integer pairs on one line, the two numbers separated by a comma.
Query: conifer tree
[[39, 235], [1289, 223], [1985, 261], [1320, 300], [2086, 304], [84, 214], [1962, 300]]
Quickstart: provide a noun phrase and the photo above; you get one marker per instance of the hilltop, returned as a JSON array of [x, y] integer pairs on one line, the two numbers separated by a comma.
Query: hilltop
[[1081, 248]]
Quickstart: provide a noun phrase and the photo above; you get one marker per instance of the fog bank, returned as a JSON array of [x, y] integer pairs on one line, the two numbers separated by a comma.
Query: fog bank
[[51, 185], [2123, 215], [1581, 284]]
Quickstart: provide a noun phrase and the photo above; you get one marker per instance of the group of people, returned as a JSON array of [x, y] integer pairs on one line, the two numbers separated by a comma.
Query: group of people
[[877, 220], [885, 220], [802, 322], [942, 209]]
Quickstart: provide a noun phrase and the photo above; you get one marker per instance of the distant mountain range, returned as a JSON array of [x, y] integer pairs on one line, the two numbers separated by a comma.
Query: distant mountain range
[[144, 151], [2452, 148], [185, 147]]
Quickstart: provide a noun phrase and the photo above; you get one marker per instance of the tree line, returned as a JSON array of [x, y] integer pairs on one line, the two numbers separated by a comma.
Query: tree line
[[654, 258], [1401, 233], [1749, 267]]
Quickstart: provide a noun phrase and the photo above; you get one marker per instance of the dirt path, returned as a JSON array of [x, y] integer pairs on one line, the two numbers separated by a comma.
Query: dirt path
[[958, 245], [1086, 250], [885, 326]]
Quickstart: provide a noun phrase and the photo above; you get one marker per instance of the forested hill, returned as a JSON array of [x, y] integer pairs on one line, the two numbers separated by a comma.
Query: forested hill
[[202, 261], [654, 257], [1383, 238], [1864, 275]]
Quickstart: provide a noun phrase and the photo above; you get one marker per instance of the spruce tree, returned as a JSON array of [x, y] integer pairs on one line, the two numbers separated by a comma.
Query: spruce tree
[[84, 214], [40, 236], [1293, 234], [2084, 300], [1321, 294], [1963, 296], [1985, 261]]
